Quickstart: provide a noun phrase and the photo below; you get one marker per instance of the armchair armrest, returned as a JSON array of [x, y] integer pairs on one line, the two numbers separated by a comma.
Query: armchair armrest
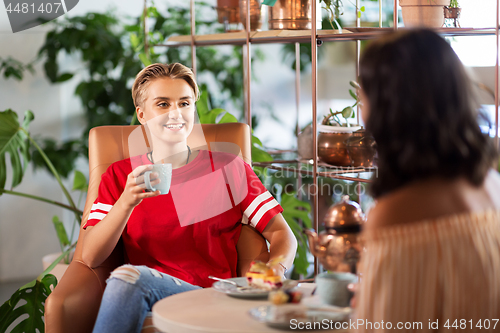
[[74, 303]]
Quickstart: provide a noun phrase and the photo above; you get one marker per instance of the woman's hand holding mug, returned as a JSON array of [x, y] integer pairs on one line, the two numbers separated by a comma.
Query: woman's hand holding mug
[[134, 192]]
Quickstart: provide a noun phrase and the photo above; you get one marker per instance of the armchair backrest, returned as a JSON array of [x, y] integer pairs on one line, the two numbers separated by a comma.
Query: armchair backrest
[[108, 144]]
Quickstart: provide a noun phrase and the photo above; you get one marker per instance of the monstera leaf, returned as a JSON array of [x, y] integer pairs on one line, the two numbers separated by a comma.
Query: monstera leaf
[[258, 152], [30, 300], [292, 213], [14, 141]]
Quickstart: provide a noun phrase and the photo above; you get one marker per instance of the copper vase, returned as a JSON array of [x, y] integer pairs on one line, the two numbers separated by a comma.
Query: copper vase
[[228, 11], [255, 14], [293, 15]]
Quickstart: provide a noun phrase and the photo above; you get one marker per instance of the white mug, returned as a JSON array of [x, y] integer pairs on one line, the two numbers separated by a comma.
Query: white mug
[[164, 174], [332, 288]]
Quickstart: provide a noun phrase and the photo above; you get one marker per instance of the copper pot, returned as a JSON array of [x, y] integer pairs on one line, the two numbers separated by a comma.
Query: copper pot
[[293, 15], [339, 248], [361, 149], [228, 11], [451, 12], [255, 14], [332, 148]]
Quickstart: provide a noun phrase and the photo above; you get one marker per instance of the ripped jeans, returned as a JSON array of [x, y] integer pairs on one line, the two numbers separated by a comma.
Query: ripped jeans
[[130, 294]]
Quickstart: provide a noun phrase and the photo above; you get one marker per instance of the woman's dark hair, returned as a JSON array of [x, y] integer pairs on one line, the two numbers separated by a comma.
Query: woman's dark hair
[[422, 112]]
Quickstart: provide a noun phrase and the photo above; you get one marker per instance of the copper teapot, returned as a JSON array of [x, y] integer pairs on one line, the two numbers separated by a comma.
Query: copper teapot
[[338, 248]]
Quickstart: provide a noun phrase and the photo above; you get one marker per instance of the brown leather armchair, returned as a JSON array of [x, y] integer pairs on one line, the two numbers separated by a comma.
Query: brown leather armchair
[[74, 303]]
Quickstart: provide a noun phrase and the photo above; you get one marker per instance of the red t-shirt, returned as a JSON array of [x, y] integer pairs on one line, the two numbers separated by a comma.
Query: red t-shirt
[[192, 231]]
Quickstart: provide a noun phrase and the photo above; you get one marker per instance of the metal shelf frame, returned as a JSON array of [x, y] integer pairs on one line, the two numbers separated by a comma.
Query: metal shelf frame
[[315, 37]]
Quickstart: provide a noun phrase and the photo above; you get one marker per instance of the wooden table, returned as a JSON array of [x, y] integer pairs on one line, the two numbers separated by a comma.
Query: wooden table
[[207, 310]]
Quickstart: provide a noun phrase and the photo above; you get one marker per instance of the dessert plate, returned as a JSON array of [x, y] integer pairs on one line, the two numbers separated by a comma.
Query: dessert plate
[[288, 316], [234, 291]]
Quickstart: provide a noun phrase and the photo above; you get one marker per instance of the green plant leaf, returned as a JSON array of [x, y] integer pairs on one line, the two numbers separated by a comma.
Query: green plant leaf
[[202, 104], [64, 77], [14, 141], [260, 155], [347, 112], [61, 231], [211, 116], [134, 41], [256, 140], [269, 2], [258, 152], [354, 84], [144, 59], [362, 8], [353, 94], [227, 118], [80, 182], [32, 299]]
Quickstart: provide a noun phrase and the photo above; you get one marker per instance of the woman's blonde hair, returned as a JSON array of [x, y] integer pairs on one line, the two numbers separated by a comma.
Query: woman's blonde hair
[[156, 71]]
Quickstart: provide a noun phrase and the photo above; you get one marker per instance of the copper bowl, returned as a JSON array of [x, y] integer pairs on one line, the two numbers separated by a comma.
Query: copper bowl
[[361, 149], [332, 148]]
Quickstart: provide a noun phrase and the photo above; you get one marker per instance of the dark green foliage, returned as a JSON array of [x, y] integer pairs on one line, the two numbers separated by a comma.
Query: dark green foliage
[[63, 155], [14, 141], [11, 67], [30, 300]]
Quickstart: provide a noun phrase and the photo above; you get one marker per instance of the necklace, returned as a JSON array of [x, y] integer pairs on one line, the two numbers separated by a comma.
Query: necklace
[[150, 155]]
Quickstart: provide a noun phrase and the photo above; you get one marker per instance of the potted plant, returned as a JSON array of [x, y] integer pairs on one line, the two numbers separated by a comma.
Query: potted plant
[[452, 12], [423, 13], [334, 130], [335, 8], [15, 140]]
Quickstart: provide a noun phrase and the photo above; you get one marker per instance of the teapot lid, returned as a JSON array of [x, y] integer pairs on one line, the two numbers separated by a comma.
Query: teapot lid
[[345, 216]]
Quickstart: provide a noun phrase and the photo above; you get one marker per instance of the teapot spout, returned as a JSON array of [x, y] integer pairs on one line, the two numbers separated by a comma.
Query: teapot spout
[[316, 249]]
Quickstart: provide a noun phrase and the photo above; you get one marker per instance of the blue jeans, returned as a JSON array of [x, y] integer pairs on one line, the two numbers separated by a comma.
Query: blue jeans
[[130, 294]]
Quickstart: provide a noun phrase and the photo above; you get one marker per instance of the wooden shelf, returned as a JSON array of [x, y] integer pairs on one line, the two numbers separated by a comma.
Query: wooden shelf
[[324, 170], [304, 36]]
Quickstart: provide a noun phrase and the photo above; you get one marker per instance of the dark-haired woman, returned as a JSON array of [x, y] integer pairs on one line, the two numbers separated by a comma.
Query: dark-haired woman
[[433, 236]]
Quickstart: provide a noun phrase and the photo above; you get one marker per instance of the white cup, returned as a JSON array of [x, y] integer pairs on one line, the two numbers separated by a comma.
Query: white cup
[[164, 172], [332, 288]]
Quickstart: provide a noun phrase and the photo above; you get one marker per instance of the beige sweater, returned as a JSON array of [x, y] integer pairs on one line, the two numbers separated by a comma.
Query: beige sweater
[[439, 270]]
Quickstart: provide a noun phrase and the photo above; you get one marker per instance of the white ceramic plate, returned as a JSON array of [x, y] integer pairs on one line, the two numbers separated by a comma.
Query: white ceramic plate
[[301, 313], [233, 291]]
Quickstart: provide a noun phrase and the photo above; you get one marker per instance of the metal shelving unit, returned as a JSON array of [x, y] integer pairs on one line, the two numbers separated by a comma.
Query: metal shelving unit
[[315, 37], [304, 36]]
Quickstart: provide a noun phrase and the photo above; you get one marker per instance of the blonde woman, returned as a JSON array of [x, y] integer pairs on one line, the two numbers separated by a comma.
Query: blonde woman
[[165, 254]]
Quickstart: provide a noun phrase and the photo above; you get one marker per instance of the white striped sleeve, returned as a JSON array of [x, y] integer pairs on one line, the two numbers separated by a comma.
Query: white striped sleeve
[[101, 206], [98, 211], [262, 204]]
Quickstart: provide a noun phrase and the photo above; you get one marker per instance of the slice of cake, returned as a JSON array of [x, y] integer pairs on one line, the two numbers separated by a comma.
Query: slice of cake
[[262, 276]]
